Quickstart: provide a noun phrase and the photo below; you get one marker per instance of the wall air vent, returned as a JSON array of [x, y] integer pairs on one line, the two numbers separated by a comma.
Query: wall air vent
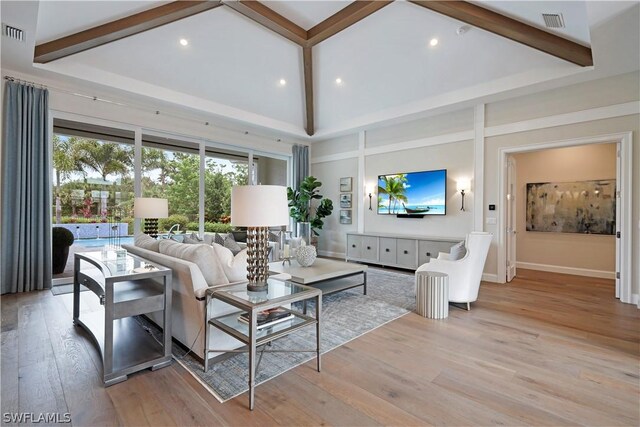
[[553, 20], [12, 32]]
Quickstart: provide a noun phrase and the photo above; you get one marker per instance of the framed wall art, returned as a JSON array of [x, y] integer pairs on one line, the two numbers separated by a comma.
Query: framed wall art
[[345, 184], [345, 200], [345, 216], [585, 207]]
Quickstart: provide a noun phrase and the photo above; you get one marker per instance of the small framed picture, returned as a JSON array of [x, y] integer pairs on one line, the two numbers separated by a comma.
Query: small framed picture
[[345, 184], [345, 200], [345, 216]]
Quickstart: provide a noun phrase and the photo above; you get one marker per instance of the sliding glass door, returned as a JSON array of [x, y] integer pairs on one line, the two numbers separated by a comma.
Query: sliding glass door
[[92, 189]]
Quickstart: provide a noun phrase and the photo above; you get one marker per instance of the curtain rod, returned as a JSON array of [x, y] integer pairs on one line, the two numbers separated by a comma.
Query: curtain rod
[[156, 112], [27, 82]]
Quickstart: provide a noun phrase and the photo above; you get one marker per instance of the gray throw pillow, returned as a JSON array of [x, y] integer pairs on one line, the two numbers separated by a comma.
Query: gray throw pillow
[[190, 240], [219, 238], [232, 245], [458, 251]]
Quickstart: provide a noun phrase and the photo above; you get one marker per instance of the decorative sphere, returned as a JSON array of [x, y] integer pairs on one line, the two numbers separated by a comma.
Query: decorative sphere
[[306, 255]]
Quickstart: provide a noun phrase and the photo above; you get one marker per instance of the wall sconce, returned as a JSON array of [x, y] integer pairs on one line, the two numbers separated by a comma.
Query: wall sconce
[[463, 184], [370, 190]]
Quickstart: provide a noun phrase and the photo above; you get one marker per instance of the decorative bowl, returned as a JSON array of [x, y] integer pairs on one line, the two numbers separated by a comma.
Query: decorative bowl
[[306, 255]]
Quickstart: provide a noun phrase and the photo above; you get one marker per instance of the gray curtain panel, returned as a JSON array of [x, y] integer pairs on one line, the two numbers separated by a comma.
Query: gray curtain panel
[[300, 164], [26, 208]]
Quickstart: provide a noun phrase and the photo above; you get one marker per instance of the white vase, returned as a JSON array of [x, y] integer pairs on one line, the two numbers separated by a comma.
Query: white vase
[[306, 255]]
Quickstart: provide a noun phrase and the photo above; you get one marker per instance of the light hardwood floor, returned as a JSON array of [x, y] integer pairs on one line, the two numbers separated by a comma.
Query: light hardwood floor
[[547, 349]]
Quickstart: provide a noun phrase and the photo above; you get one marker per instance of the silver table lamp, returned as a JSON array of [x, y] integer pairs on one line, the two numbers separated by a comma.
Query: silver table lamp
[[258, 207]]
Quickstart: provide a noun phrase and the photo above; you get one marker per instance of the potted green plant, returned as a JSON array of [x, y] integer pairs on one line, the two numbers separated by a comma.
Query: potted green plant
[[302, 210], [61, 240]]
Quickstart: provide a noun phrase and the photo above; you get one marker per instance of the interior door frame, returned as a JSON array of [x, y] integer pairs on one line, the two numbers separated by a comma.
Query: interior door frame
[[625, 144], [510, 201]]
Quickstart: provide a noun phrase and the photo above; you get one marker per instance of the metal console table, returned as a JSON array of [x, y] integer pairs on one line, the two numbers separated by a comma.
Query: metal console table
[[279, 293], [125, 286]]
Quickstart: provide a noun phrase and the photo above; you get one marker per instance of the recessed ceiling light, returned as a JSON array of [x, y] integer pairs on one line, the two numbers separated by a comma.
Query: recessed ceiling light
[[339, 81], [433, 42], [282, 82], [184, 42]]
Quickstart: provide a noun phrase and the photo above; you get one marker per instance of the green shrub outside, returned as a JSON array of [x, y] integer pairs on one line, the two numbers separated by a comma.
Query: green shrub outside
[[164, 224], [193, 226], [217, 227]]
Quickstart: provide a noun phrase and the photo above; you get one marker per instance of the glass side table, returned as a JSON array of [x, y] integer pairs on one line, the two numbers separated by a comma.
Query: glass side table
[[279, 293]]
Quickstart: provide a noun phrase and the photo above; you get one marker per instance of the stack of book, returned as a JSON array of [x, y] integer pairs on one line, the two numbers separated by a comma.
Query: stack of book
[[269, 317]]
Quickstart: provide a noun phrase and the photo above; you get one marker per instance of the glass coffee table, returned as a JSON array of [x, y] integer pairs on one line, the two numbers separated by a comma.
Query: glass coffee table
[[279, 293]]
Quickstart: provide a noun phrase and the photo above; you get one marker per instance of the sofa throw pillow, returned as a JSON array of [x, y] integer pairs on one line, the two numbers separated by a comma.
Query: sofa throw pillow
[[147, 242], [239, 236], [232, 245], [192, 240], [219, 238], [457, 251], [234, 266], [201, 255]]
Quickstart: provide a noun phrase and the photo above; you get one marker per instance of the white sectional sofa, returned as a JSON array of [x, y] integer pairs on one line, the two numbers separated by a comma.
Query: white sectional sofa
[[196, 268]]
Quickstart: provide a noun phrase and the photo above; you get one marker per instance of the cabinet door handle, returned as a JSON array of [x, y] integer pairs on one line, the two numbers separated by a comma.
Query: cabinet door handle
[[406, 252], [368, 248], [353, 246], [386, 250], [428, 253]]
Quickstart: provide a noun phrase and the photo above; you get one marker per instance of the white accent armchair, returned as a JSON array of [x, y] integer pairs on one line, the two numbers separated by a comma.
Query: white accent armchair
[[464, 274]]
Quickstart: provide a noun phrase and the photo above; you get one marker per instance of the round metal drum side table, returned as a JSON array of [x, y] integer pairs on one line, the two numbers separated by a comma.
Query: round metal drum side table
[[432, 294]]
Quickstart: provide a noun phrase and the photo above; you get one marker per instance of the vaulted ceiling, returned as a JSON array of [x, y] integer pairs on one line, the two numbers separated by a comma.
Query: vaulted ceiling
[[315, 67]]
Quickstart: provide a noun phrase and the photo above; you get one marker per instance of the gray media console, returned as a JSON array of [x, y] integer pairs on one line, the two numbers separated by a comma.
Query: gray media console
[[396, 251]]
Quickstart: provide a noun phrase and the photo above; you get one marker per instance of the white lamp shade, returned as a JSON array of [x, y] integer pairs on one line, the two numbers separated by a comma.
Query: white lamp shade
[[370, 189], [259, 206], [150, 207], [463, 184]]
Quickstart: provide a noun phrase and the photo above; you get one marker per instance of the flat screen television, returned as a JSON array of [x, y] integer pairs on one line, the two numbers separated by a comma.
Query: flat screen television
[[413, 193]]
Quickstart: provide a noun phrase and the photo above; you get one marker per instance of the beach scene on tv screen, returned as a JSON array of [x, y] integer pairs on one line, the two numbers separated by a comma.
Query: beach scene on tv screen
[[421, 193]]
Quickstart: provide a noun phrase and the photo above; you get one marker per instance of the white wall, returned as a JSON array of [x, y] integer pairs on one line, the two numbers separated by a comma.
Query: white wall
[[332, 239], [456, 158], [588, 109]]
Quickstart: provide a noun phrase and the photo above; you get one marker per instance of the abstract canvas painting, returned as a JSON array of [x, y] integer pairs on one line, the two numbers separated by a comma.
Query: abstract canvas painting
[[586, 207]]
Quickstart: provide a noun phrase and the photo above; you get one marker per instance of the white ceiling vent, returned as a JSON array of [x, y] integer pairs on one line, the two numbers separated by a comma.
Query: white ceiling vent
[[553, 20], [12, 32]]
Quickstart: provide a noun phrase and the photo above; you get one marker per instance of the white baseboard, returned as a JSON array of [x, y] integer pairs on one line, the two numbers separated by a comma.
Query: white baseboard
[[331, 254], [567, 270], [490, 277], [635, 299]]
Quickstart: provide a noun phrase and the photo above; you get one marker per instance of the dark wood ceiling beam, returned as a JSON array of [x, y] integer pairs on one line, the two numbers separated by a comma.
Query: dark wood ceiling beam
[[511, 29], [119, 29], [344, 18], [307, 65], [269, 18]]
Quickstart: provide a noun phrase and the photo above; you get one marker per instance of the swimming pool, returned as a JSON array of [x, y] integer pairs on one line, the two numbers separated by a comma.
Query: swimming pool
[[98, 243]]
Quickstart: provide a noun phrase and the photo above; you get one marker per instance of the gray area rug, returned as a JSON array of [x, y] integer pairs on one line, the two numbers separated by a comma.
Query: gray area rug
[[345, 316]]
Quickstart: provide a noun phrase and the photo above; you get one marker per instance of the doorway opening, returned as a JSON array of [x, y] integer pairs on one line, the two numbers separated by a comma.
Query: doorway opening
[[534, 229]]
